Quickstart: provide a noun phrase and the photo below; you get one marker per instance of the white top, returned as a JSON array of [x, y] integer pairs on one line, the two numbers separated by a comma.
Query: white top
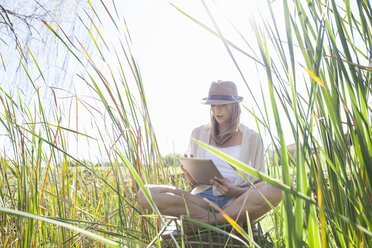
[[226, 170]]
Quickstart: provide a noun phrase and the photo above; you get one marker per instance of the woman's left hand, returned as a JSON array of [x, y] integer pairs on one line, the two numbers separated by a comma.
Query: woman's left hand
[[225, 187]]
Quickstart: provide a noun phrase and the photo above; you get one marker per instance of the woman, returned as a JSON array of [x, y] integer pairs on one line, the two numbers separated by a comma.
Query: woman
[[231, 193]]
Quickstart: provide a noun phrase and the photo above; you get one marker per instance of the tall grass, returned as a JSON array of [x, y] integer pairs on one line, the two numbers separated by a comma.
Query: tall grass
[[324, 44], [50, 197], [88, 204], [332, 45]]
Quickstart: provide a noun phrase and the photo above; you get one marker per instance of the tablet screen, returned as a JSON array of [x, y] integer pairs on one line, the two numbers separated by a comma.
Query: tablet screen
[[202, 170]]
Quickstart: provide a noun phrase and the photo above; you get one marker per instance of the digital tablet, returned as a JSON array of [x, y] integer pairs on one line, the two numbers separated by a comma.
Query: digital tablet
[[202, 170]]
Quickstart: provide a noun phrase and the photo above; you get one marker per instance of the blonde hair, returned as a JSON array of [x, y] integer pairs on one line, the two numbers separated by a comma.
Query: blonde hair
[[221, 137]]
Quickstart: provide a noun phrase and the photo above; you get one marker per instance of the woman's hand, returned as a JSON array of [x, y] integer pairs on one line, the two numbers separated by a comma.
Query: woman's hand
[[189, 178], [225, 187]]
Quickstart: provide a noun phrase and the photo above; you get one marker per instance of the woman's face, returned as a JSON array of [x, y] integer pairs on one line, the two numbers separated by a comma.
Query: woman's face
[[221, 113]]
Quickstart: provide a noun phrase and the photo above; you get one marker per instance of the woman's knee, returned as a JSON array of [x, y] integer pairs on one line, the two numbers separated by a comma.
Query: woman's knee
[[158, 193], [142, 199], [275, 195]]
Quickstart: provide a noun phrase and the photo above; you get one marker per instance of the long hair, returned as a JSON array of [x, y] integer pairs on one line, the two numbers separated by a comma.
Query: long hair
[[221, 137]]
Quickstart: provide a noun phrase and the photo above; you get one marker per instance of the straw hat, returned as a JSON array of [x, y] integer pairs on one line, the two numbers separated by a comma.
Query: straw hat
[[222, 92]]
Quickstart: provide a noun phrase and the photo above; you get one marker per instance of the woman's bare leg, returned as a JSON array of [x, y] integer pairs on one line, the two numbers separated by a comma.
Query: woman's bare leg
[[171, 201], [251, 201]]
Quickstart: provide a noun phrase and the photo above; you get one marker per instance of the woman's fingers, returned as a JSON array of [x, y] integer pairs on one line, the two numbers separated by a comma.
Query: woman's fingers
[[223, 185], [218, 181], [220, 184], [222, 189]]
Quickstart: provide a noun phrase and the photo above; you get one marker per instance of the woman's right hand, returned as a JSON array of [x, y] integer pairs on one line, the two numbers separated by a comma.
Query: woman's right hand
[[189, 178]]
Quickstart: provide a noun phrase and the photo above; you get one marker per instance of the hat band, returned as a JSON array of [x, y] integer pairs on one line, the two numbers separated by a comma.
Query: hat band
[[223, 98]]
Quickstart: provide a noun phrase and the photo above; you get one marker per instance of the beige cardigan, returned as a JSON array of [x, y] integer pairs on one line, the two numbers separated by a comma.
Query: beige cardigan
[[251, 153]]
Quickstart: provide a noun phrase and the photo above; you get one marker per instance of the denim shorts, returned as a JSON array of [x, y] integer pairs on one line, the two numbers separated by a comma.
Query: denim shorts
[[218, 200]]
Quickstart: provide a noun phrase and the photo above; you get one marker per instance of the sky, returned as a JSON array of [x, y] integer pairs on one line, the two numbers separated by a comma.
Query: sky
[[179, 60]]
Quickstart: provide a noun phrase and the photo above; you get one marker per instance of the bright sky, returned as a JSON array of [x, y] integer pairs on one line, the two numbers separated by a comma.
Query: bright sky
[[179, 60]]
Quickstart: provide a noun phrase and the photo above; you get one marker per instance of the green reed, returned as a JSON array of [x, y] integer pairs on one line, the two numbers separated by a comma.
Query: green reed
[[42, 182], [49, 197], [330, 170], [337, 108], [327, 200]]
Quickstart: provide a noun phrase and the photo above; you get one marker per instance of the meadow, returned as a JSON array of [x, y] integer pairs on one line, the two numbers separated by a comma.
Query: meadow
[[51, 198]]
